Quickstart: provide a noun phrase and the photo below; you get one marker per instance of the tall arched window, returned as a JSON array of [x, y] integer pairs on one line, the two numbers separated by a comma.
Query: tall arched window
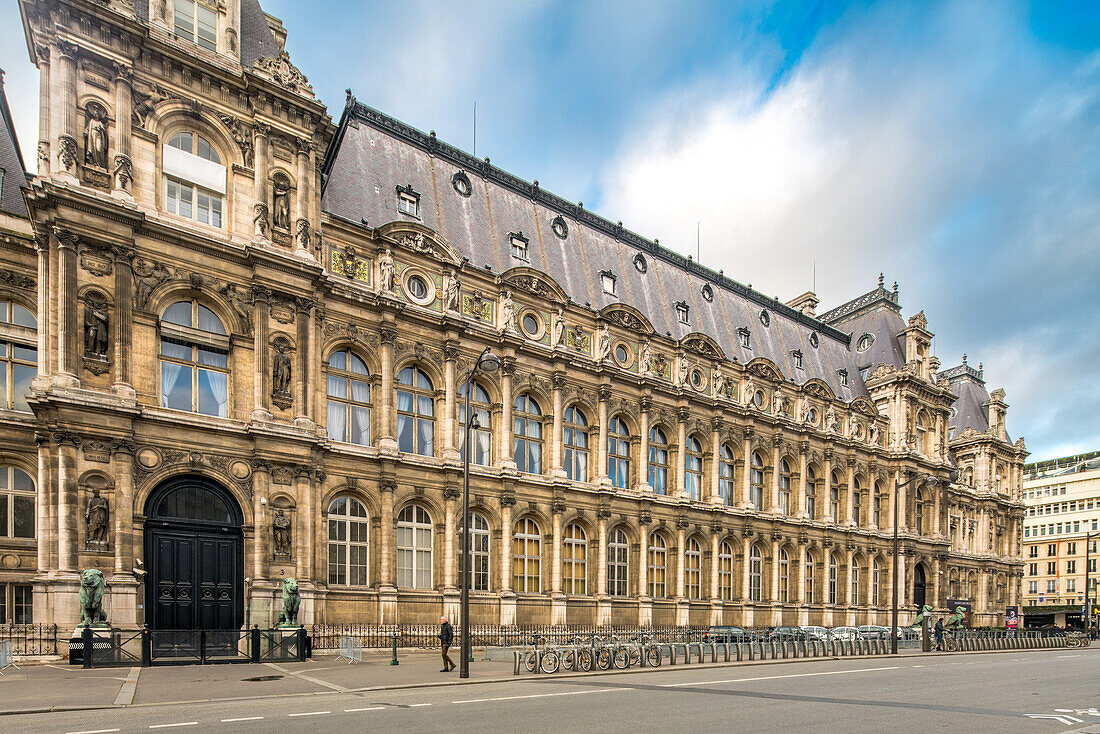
[[527, 420], [479, 551], [618, 554], [575, 438], [348, 532], [810, 570], [618, 453], [834, 577], [658, 460], [756, 482], [194, 178], [16, 504], [693, 468], [415, 403], [784, 576], [785, 487], [18, 355], [414, 548], [658, 565], [876, 583], [574, 560], [922, 432], [725, 571], [725, 475], [876, 506], [854, 599], [857, 503], [834, 498], [194, 360], [527, 557], [693, 570], [813, 485], [756, 573], [921, 505], [348, 388], [481, 438]]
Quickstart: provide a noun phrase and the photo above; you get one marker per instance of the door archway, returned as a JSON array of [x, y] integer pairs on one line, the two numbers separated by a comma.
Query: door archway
[[193, 547], [919, 582]]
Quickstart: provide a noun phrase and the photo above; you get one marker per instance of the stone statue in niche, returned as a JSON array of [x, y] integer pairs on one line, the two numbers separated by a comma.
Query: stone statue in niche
[[281, 200], [386, 271], [95, 135], [832, 421], [95, 327], [450, 294], [508, 312], [281, 373], [605, 343], [721, 382], [559, 328], [645, 358], [280, 532], [97, 515]]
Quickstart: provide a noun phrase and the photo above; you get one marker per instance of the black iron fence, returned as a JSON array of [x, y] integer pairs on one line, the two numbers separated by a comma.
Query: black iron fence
[[30, 639], [327, 636], [94, 648]]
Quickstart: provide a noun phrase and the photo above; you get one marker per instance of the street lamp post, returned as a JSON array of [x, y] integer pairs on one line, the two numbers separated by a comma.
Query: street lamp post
[[487, 363], [1088, 591], [931, 480]]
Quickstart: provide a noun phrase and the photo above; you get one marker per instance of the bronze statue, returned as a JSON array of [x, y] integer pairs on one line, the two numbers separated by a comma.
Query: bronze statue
[[291, 601], [925, 613], [280, 530], [92, 585], [97, 515], [955, 621], [95, 327], [281, 373]]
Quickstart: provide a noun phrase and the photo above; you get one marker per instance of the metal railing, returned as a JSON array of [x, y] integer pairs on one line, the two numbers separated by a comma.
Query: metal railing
[[425, 636], [95, 648], [30, 639], [7, 660]]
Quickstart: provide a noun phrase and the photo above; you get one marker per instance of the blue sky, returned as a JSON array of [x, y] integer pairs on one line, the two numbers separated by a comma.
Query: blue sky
[[954, 146]]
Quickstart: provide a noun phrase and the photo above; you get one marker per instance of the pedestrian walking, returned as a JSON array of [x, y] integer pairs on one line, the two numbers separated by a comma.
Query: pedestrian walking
[[939, 634], [446, 637]]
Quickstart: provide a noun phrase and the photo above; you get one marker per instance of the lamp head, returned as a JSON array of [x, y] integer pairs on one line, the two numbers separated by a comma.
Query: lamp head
[[488, 363]]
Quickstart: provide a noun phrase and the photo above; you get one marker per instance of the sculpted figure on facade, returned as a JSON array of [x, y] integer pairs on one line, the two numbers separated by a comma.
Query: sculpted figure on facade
[[750, 391], [832, 421], [559, 327], [96, 333], [259, 221], [507, 312], [386, 271], [645, 358], [280, 533], [281, 373], [97, 516], [451, 291], [605, 343], [721, 382], [682, 372], [95, 135]]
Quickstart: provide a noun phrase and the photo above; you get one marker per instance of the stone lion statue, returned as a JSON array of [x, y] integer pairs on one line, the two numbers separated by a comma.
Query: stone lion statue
[[291, 601], [92, 585]]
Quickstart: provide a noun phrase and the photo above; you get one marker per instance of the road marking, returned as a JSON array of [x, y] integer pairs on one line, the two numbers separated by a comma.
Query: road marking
[[1069, 656], [368, 708], [1060, 718], [775, 677], [307, 678], [417, 705], [310, 713], [126, 693], [242, 718], [93, 731], [542, 695], [168, 726]]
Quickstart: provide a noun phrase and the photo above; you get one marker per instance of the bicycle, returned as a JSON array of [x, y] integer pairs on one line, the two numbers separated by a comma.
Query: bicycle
[[548, 662]]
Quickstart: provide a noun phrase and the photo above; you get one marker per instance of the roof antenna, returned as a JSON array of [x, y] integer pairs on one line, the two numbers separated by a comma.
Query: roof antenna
[[698, 240], [474, 151], [813, 282]]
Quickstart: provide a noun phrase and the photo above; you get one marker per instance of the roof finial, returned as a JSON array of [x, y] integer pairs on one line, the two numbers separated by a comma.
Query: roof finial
[[880, 281], [981, 367], [895, 287], [964, 357]]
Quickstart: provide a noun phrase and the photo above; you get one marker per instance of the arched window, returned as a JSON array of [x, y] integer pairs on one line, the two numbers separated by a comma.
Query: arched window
[[784, 576], [527, 557], [16, 504], [575, 438], [194, 179], [813, 486], [922, 431], [834, 498], [854, 600], [658, 461], [725, 571], [876, 583], [785, 487], [414, 548], [527, 420], [481, 447], [756, 573], [834, 577], [810, 570], [415, 404], [618, 453], [348, 531], [618, 553], [479, 552], [658, 564], [756, 482], [876, 506], [693, 468], [693, 567], [574, 560], [18, 355], [725, 475], [194, 360], [348, 388], [857, 503], [921, 505]]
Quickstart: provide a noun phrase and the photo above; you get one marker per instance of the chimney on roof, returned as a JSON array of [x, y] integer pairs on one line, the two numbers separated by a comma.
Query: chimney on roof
[[806, 303]]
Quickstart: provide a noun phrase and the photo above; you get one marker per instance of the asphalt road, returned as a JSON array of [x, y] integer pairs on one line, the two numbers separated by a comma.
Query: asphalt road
[[971, 693]]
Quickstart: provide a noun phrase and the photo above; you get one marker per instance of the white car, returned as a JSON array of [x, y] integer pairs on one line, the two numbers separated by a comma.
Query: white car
[[845, 634], [815, 633]]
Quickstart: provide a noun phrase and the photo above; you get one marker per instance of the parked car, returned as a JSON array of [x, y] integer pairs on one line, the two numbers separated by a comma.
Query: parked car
[[845, 634], [787, 634], [727, 634], [815, 633], [874, 632]]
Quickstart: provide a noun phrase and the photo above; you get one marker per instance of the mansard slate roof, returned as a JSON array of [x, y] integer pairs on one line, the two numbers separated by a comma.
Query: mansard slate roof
[[11, 160], [373, 155], [877, 313], [256, 39], [970, 410]]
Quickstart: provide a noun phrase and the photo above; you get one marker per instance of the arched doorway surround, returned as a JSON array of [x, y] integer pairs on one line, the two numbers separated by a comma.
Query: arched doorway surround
[[919, 582]]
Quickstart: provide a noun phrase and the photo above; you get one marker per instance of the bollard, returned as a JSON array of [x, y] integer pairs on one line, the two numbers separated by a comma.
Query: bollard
[[726, 645], [752, 651], [393, 660], [146, 647], [86, 644], [516, 657], [773, 649], [740, 653]]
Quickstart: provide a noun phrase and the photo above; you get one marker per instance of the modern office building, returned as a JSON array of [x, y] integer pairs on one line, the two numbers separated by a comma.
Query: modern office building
[[239, 335]]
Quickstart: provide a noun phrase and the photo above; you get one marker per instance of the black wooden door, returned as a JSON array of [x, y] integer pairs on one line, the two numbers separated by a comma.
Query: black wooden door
[[195, 579]]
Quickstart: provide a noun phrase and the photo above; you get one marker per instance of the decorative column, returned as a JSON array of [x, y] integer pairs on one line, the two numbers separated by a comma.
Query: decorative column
[[302, 238], [603, 606], [849, 614], [304, 309], [122, 329], [261, 297], [42, 54], [507, 596], [66, 307], [260, 208], [642, 485], [302, 517], [450, 401], [746, 475], [747, 616], [803, 611], [450, 526], [773, 500], [123, 511], [387, 593], [387, 335], [849, 503], [715, 591], [261, 488], [714, 480], [645, 602], [557, 598], [801, 509], [46, 504], [774, 590], [601, 456], [65, 114], [123, 171], [827, 500], [68, 509], [507, 437], [45, 292], [679, 454], [556, 432]]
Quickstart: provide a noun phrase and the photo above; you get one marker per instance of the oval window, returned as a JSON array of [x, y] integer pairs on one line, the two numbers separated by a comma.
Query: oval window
[[814, 341], [708, 292], [621, 354], [640, 263], [418, 289], [811, 416], [865, 342], [461, 183], [765, 317], [559, 227], [530, 324], [759, 399]]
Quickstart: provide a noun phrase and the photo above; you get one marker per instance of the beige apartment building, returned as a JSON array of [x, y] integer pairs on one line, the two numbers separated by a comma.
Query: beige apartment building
[[1063, 510], [241, 335]]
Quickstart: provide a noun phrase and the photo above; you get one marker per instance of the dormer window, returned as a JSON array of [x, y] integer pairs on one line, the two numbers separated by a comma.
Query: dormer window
[[796, 357], [682, 312], [408, 201], [608, 279], [519, 245], [197, 22], [843, 374], [743, 337]]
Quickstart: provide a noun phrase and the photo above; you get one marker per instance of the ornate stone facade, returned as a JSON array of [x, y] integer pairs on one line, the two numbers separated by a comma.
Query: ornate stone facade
[[632, 467]]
